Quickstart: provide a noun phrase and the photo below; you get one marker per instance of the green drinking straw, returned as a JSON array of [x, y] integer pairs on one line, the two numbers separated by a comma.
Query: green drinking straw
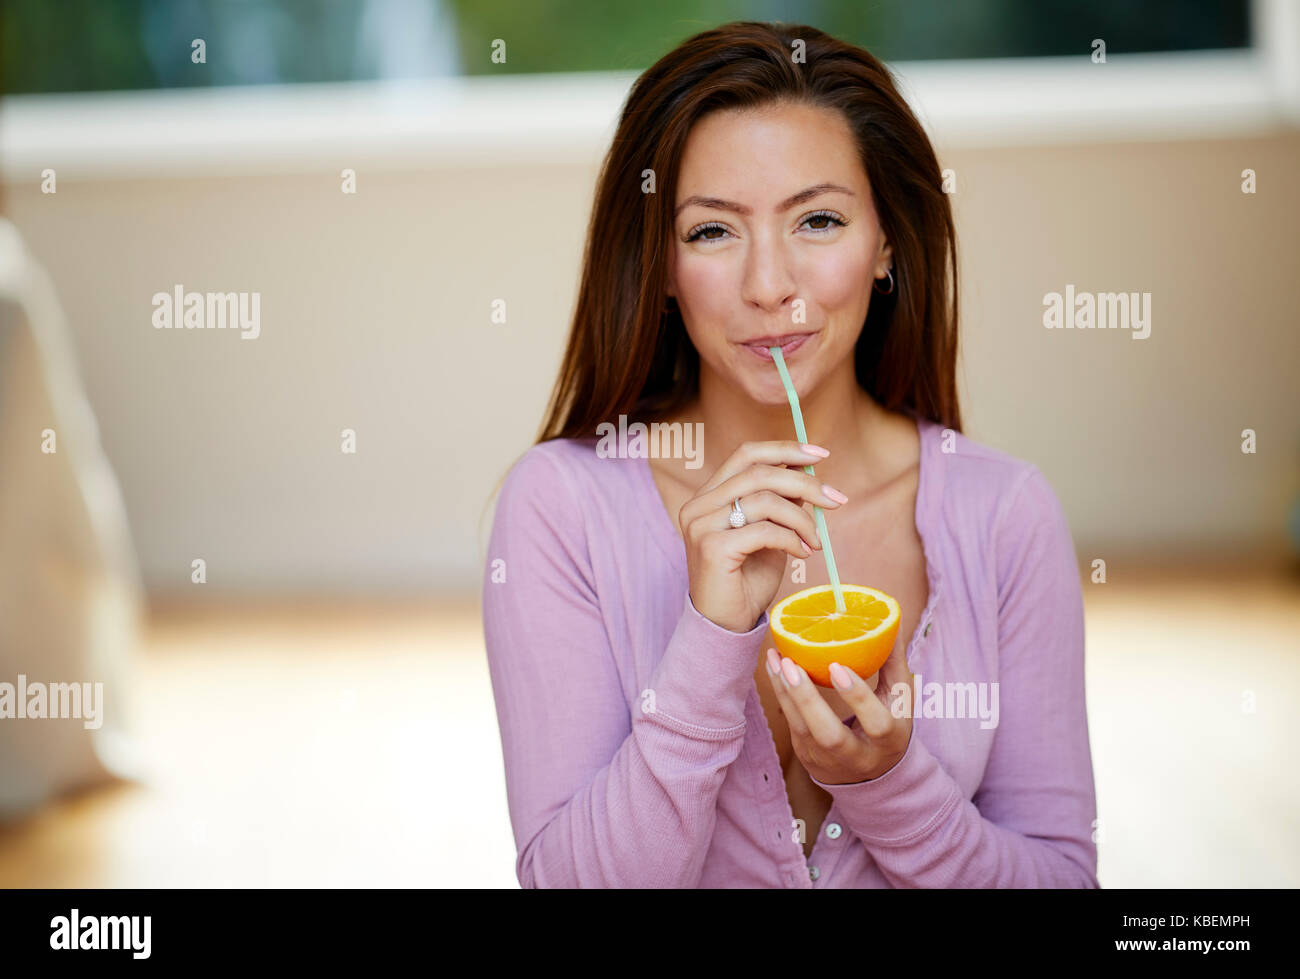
[[827, 553]]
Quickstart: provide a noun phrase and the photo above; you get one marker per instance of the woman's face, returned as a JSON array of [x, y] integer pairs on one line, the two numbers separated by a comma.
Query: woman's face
[[774, 207]]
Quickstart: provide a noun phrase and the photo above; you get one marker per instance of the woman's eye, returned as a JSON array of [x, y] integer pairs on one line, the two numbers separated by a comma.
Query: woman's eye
[[828, 221], [703, 231]]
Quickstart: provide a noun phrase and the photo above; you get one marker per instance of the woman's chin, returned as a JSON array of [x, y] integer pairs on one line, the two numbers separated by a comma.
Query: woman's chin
[[771, 393], [762, 381]]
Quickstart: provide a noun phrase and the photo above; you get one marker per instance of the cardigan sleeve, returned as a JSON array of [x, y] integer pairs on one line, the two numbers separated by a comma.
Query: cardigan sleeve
[[606, 787], [1031, 822]]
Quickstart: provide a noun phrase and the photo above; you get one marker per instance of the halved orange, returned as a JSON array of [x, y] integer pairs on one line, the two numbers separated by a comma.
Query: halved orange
[[806, 627]]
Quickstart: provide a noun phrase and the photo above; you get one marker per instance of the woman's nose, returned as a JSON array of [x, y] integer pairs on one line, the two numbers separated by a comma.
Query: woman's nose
[[769, 282]]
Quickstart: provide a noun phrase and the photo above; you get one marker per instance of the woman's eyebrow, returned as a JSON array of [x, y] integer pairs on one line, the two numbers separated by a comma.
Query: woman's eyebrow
[[721, 205]]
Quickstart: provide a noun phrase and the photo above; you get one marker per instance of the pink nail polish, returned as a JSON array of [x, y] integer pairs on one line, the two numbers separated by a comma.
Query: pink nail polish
[[841, 677], [789, 671], [773, 661], [815, 450], [834, 494]]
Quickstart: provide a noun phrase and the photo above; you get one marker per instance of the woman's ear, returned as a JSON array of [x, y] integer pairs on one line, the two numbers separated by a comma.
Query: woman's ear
[[886, 261]]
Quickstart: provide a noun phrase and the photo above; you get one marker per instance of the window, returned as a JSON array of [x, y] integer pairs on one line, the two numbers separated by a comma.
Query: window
[[105, 45]]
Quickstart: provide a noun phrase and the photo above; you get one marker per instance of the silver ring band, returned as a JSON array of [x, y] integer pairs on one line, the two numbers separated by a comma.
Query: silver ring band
[[737, 514]]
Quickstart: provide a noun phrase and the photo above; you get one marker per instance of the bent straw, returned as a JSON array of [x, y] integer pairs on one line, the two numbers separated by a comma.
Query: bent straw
[[827, 553]]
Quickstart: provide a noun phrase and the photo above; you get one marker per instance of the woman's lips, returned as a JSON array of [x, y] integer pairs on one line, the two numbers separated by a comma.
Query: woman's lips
[[788, 344]]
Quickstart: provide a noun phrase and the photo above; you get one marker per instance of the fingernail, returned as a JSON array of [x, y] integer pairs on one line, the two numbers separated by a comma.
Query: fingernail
[[841, 676], [789, 671], [834, 494], [773, 661], [804, 544], [815, 450]]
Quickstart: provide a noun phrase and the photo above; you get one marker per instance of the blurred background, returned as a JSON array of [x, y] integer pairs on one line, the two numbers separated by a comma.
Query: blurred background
[[270, 551]]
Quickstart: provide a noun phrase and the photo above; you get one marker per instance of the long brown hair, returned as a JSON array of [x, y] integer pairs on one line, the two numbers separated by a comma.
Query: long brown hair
[[628, 355]]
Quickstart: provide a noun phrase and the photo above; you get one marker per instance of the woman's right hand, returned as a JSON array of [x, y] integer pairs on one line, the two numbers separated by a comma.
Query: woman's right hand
[[736, 572]]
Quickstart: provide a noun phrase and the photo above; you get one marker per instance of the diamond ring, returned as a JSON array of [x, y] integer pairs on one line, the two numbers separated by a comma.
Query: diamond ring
[[737, 514]]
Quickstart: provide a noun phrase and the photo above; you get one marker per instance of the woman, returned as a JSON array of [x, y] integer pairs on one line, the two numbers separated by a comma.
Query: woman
[[767, 184]]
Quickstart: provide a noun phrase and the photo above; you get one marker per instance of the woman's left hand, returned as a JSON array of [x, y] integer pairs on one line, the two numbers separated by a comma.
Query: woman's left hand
[[831, 751]]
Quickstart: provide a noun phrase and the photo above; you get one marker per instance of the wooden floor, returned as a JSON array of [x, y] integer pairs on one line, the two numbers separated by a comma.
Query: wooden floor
[[333, 746], [302, 746]]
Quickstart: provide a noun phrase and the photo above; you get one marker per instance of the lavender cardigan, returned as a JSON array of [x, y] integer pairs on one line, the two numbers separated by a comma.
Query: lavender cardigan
[[635, 746]]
